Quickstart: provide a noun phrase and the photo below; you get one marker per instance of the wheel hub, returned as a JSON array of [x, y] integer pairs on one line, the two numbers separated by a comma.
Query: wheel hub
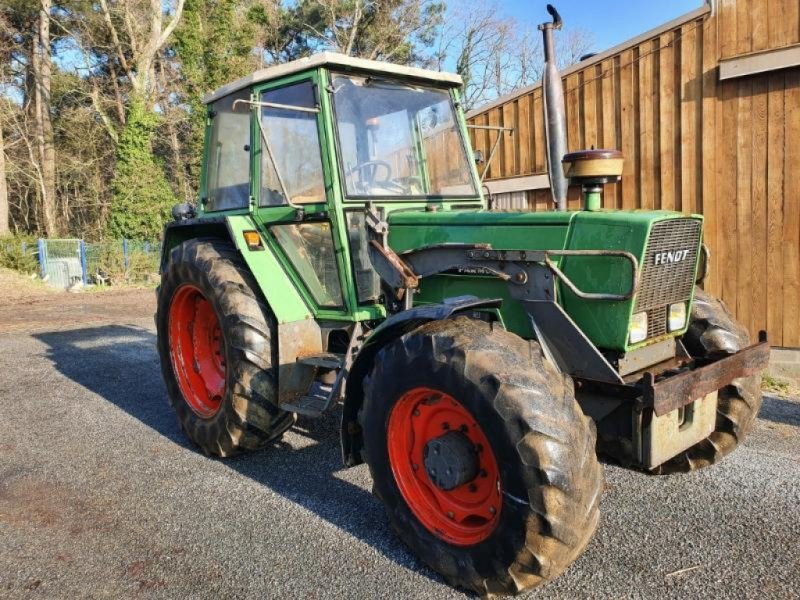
[[444, 466], [450, 460]]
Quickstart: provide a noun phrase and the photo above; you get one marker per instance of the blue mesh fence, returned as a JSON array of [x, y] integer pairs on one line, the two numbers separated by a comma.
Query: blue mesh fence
[[67, 263]]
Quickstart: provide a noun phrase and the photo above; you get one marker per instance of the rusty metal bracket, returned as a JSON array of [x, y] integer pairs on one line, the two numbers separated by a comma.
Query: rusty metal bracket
[[678, 390]]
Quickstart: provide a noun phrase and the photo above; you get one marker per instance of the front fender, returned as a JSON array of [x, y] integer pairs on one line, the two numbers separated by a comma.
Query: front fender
[[394, 327]]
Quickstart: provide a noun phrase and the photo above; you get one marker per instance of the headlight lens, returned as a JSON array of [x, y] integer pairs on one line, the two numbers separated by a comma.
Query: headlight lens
[[638, 330], [677, 316]]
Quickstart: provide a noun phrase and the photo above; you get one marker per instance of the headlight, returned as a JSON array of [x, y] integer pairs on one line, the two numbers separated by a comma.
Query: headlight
[[638, 330], [677, 316]]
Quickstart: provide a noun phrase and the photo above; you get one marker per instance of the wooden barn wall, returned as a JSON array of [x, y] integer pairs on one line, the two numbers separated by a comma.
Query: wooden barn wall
[[729, 150], [756, 25]]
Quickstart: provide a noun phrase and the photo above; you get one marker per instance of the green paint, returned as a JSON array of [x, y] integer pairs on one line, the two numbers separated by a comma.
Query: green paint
[[462, 220], [280, 291], [592, 199]]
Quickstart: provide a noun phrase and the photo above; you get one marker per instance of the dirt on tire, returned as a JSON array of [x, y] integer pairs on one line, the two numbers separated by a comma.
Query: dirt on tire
[[249, 417], [550, 478]]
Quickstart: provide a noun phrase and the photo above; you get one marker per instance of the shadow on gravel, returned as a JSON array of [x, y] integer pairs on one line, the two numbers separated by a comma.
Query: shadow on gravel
[[120, 363], [779, 410]]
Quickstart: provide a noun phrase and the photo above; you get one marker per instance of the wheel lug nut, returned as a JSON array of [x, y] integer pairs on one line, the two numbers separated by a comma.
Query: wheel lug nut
[[450, 515], [463, 429], [472, 487], [415, 467], [445, 425], [416, 412], [483, 473], [492, 509]]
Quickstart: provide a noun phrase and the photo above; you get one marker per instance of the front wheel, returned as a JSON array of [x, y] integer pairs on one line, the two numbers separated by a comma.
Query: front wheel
[[481, 455]]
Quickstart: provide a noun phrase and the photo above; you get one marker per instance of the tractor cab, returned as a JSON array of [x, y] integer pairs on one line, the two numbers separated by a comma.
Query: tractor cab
[[320, 132]]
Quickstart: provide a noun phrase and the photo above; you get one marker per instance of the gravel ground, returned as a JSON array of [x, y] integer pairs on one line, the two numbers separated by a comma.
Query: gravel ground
[[102, 496]]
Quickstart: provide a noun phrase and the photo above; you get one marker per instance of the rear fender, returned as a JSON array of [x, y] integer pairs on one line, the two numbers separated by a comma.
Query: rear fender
[[298, 332], [394, 327]]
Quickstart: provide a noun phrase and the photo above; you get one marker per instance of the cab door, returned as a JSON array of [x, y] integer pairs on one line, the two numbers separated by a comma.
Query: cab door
[[292, 192]]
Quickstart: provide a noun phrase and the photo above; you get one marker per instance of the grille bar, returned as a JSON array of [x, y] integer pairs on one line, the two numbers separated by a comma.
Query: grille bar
[[668, 270]]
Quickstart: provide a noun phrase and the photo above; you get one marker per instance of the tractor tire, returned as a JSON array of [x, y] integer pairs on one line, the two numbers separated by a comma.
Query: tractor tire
[[215, 341], [713, 332], [533, 503]]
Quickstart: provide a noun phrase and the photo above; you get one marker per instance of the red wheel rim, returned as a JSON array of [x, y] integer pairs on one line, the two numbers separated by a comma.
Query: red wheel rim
[[196, 350], [465, 515]]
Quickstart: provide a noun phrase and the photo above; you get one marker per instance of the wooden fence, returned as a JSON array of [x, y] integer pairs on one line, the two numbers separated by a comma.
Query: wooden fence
[[692, 142]]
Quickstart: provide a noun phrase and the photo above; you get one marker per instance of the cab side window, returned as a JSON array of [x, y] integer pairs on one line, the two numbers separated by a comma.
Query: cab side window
[[294, 140], [228, 160]]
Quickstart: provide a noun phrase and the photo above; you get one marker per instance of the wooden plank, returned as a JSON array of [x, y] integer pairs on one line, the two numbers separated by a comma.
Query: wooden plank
[[792, 21], [726, 28], [726, 178], [709, 153], [757, 284], [646, 136], [539, 153], [495, 168], [744, 27], [608, 111], [523, 136], [574, 198], [691, 178], [628, 131], [666, 120], [744, 181], [618, 120], [572, 91], [776, 18], [775, 178], [759, 16], [509, 166], [791, 211], [590, 117]]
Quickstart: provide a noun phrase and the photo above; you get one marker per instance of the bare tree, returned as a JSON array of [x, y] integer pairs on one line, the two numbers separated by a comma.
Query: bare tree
[[4, 229], [138, 34], [496, 55], [41, 68], [389, 30]]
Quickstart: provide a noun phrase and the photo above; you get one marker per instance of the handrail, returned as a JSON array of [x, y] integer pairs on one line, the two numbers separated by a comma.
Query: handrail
[[590, 295]]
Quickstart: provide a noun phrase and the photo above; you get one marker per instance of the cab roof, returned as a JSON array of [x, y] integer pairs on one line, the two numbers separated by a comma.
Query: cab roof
[[333, 60]]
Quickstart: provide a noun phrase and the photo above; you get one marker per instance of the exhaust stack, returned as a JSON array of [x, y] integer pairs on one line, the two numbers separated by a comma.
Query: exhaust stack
[[555, 122]]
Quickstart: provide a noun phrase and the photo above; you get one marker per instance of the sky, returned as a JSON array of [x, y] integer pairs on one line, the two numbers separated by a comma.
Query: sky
[[611, 21]]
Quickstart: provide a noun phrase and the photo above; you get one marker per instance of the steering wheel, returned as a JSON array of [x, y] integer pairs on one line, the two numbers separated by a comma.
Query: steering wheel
[[370, 168]]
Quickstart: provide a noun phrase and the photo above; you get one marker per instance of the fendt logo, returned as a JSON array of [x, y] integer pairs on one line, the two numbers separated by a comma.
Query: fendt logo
[[670, 257]]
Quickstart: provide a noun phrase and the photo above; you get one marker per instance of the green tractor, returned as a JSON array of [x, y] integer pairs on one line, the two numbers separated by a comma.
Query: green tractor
[[342, 253]]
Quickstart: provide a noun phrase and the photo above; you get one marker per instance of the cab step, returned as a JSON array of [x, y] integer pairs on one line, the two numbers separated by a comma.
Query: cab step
[[315, 403], [324, 360]]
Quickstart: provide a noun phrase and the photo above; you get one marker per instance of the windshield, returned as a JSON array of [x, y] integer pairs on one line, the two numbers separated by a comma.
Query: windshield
[[398, 140]]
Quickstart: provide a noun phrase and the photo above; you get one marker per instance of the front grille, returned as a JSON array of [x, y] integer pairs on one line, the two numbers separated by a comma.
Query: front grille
[[665, 280]]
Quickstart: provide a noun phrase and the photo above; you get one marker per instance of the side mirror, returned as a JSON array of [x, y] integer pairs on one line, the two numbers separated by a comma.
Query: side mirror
[[478, 154]]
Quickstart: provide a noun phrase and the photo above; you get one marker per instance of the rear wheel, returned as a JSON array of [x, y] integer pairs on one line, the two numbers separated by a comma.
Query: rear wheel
[[482, 457], [714, 332], [216, 350]]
